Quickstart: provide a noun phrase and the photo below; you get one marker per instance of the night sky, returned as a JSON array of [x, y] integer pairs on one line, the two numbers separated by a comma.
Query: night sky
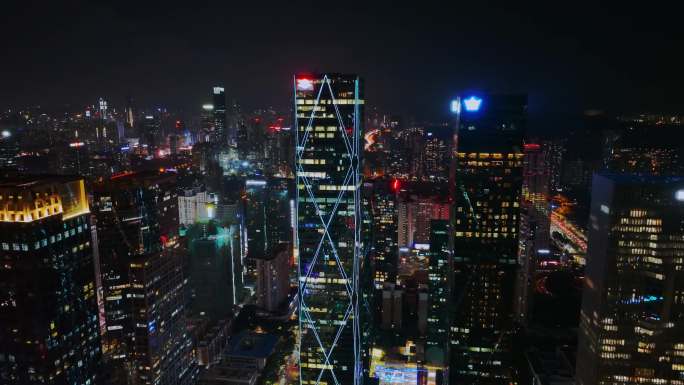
[[567, 57]]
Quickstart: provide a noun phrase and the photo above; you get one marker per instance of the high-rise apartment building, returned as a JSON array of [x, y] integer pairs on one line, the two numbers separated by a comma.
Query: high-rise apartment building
[[329, 115], [487, 189], [48, 305], [194, 204], [632, 319]]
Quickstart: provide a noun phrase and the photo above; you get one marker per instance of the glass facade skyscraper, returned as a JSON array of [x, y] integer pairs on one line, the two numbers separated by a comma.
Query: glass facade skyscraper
[[48, 305], [486, 188], [220, 130], [632, 319], [329, 114]]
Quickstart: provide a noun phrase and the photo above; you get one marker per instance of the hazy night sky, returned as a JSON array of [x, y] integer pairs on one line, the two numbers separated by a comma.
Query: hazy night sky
[[567, 57]]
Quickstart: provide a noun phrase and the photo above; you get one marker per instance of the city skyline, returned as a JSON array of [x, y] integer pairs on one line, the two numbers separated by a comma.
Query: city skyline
[[341, 194], [488, 48]]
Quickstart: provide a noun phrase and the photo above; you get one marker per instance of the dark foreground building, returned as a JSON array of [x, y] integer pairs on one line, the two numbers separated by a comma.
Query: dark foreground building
[[632, 320], [142, 277], [48, 309]]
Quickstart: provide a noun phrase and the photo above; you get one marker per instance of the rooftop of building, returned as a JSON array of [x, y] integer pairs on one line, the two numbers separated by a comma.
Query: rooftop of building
[[252, 345], [224, 374], [127, 179], [549, 367], [28, 198], [277, 251], [23, 181]]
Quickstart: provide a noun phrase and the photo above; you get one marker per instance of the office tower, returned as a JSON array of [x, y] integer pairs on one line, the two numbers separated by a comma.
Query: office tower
[[142, 276], [487, 190], [384, 247], [207, 123], [436, 154], [267, 215], [273, 278], [439, 298], [329, 114], [220, 130], [9, 150], [555, 149], [279, 209], [632, 319], [48, 302], [255, 217], [150, 133], [535, 224], [213, 271]]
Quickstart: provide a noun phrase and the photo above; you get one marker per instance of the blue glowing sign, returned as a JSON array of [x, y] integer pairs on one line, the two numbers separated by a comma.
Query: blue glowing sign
[[391, 375], [472, 104], [642, 299]]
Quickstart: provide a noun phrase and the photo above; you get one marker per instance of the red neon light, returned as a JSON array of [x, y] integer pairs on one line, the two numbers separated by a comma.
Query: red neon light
[[395, 185], [531, 146], [121, 175]]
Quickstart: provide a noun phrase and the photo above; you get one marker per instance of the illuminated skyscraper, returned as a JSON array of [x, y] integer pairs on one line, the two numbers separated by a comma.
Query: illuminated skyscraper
[[487, 191], [439, 297], [329, 114], [220, 130], [48, 306], [382, 197], [150, 133], [632, 319], [9, 150]]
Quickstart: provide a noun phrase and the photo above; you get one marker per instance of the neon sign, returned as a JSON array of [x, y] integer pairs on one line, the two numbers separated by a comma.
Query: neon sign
[[472, 104], [305, 84]]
